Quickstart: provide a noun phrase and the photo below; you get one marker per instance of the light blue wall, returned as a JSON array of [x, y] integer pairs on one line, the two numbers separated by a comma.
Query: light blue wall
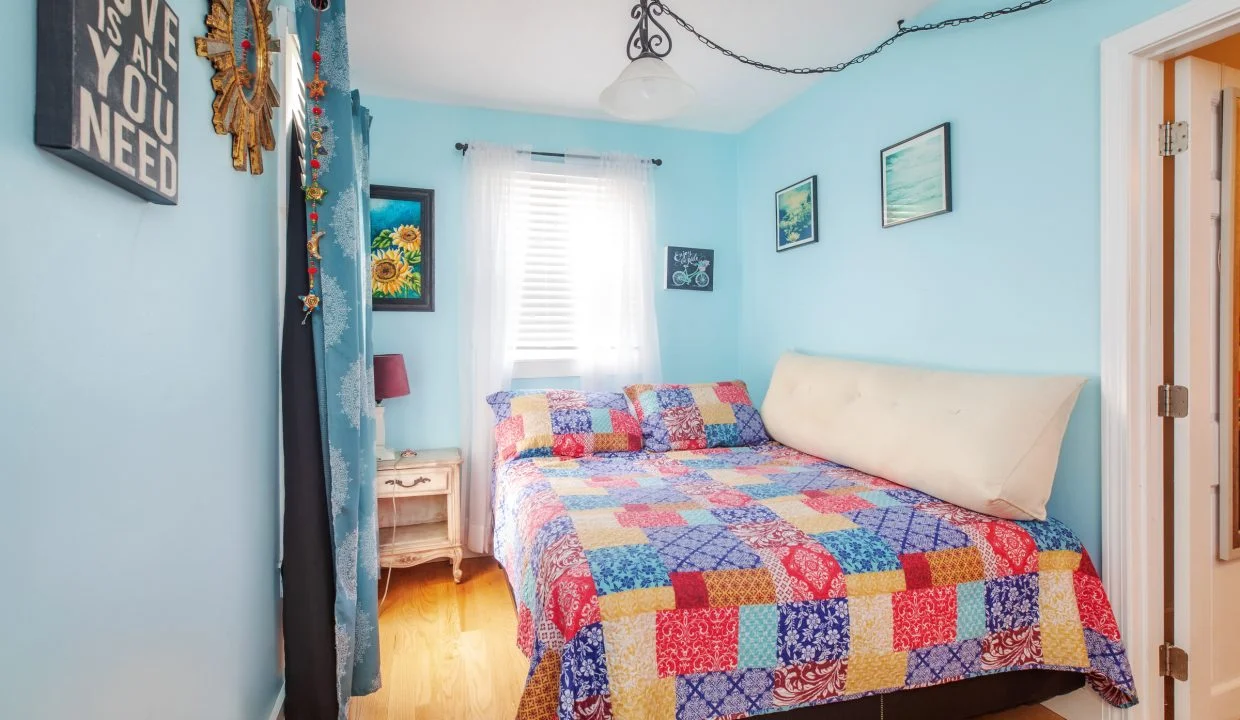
[[412, 145], [137, 424], [1009, 281]]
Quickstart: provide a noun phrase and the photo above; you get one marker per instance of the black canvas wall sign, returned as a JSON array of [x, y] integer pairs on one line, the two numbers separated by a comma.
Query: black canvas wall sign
[[107, 94]]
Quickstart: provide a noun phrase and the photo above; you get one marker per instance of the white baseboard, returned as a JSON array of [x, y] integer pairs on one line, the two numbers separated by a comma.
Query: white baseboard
[[277, 709], [1084, 704]]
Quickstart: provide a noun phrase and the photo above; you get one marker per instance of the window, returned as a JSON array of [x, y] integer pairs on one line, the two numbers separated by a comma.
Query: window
[[560, 279], [550, 216]]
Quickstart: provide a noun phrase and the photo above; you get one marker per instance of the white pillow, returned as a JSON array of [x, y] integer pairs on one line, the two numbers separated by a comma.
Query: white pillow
[[989, 443]]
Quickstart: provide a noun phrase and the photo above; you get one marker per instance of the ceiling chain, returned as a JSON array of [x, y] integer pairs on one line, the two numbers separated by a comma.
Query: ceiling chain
[[903, 30]]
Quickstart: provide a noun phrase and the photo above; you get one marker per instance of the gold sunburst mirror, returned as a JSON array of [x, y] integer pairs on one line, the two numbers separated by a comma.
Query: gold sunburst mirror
[[239, 46]]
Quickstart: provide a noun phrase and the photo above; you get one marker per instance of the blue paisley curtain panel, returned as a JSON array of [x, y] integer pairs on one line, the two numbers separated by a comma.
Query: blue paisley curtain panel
[[342, 334]]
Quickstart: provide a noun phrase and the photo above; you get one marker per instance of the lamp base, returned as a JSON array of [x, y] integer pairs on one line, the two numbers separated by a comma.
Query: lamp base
[[382, 452]]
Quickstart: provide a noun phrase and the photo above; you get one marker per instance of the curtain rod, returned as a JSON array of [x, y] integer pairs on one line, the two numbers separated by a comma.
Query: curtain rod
[[464, 147]]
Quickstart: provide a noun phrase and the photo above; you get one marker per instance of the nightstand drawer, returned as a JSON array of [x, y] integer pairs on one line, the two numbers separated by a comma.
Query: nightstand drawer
[[413, 481]]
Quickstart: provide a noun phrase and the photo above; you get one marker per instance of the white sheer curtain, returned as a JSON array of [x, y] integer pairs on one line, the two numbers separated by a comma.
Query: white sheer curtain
[[619, 338], [603, 211], [487, 338]]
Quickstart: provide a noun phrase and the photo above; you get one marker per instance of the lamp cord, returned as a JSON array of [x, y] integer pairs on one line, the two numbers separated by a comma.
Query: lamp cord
[[388, 586], [840, 67]]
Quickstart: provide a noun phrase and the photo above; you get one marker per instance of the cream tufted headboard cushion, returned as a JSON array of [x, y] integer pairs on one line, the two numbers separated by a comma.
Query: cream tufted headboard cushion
[[989, 443]]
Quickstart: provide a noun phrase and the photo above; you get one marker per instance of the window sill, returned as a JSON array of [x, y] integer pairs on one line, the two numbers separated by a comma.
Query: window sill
[[530, 369]]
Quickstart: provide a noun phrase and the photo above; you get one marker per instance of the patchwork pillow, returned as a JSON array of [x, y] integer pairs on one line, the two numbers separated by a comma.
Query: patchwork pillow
[[563, 423], [693, 417]]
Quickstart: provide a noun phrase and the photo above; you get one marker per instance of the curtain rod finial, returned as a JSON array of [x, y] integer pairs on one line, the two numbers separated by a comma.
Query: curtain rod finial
[[462, 147]]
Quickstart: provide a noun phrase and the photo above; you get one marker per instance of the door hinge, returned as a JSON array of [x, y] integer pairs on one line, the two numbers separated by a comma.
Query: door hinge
[[1173, 662], [1172, 401], [1172, 138]]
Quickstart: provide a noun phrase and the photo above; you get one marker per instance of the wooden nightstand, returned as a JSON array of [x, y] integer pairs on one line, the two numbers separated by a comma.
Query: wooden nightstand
[[420, 509]]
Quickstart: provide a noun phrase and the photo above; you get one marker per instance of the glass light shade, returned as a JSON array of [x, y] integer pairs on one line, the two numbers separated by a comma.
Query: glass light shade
[[648, 89]]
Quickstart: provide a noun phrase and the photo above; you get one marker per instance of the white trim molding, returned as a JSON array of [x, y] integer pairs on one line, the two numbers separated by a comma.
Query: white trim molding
[[277, 709], [1082, 704], [1132, 329], [289, 80], [287, 73]]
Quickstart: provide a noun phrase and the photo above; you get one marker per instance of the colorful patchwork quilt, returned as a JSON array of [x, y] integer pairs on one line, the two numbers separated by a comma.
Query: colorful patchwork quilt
[[734, 582]]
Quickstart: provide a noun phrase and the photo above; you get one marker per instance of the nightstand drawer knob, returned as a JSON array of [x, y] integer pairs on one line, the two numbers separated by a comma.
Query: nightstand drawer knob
[[416, 482]]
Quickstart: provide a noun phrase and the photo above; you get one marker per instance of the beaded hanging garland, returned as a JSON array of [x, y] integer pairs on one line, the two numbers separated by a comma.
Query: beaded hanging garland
[[316, 90]]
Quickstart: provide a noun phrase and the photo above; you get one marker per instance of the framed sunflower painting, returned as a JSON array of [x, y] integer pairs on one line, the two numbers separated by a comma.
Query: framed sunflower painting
[[402, 244]]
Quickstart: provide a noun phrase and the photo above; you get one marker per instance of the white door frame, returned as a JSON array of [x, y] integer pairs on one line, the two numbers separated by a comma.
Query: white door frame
[[286, 73], [1132, 318]]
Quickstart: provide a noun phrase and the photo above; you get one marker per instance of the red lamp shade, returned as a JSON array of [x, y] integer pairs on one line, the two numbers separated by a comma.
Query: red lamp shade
[[390, 378]]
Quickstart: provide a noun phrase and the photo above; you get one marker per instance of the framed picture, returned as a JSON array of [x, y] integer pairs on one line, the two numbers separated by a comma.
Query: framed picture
[[917, 177], [402, 248], [689, 269], [107, 91], [796, 214]]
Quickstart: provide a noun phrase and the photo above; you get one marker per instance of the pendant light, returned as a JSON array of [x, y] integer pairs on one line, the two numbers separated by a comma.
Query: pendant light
[[648, 89]]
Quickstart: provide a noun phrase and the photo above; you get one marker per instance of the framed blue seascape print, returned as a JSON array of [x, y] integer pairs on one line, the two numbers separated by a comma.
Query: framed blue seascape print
[[796, 214], [917, 177], [402, 244]]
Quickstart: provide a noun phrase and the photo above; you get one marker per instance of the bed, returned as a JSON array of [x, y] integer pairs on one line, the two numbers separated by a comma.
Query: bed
[[734, 582]]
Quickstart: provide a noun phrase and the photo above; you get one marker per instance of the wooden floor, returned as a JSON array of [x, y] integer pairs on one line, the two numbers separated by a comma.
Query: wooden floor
[[449, 650]]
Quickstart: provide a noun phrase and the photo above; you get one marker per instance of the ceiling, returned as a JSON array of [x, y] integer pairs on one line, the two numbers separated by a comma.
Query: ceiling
[[556, 56]]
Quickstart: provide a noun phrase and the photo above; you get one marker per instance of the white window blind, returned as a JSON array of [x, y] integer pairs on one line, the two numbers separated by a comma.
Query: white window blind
[[550, 210]]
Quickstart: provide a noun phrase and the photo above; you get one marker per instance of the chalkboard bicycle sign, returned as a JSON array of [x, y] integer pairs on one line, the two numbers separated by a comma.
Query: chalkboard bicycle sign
[[690, 269], [108, 88]]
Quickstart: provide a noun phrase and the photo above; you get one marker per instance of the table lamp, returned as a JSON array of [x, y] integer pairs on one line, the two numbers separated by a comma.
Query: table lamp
[[390, 382]]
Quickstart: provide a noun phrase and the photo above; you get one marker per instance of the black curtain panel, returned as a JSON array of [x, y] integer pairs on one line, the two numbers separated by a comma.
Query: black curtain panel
[[309, 584]]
